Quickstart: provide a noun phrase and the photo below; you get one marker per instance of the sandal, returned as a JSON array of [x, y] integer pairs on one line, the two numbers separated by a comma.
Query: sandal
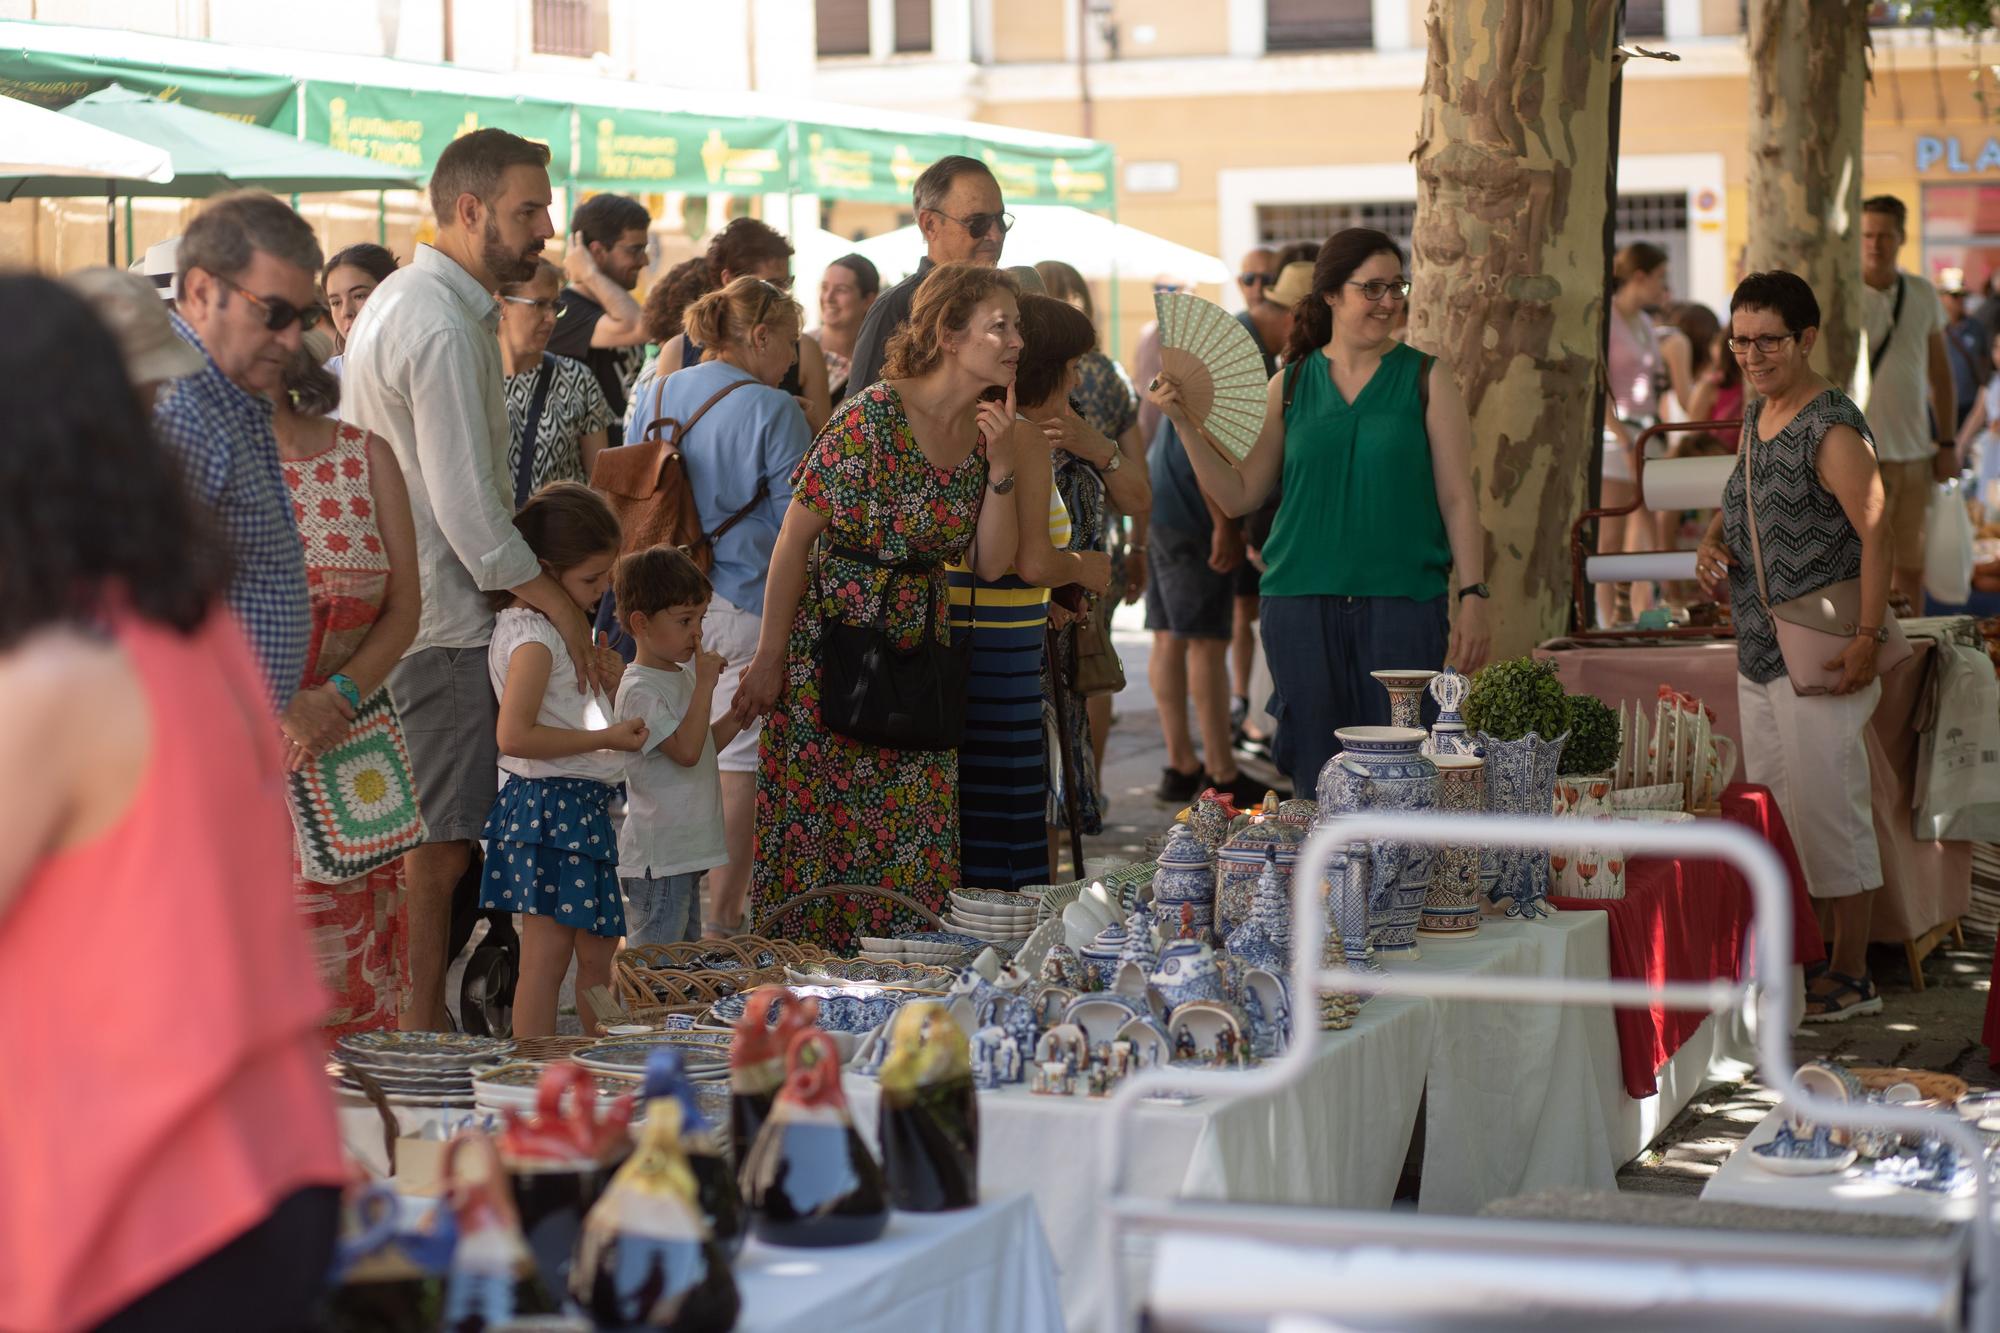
[[1814, 971], [1833, 1008]]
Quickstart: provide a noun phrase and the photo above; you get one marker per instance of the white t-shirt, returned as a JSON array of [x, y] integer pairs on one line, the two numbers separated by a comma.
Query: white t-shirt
[[1897, 396], [673, 815], [562, 706]]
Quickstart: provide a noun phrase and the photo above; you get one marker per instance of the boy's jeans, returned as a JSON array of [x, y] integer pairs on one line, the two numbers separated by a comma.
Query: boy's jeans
[[662, 909]]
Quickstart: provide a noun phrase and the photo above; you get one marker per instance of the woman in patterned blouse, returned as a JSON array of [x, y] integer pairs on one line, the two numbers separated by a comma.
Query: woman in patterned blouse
[[575, 416], [1807, 469]]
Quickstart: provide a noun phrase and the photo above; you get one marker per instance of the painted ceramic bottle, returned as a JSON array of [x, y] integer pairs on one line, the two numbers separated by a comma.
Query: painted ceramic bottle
[[1448, 734], [927, 1119], [757, 1060], [1384, 768], [809, 1179], [1241, 862], [1451, 905]]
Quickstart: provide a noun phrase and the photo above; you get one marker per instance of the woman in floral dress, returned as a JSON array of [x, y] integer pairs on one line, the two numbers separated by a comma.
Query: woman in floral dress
[[895, 488], [361, 568]]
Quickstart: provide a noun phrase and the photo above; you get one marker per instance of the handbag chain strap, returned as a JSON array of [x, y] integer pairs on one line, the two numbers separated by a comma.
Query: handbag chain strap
[[1750, 506]]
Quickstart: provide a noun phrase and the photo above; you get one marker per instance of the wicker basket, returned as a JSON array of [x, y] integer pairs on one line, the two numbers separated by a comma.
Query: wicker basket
[[1943, 1089], [653, 981]]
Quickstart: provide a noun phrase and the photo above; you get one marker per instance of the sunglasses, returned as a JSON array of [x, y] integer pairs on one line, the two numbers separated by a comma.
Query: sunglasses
[[278, 312], [1256, 279], [1162, 288], [548, 307], [979, 224]]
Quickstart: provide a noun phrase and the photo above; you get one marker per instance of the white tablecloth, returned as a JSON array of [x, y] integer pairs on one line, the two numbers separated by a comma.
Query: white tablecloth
[[979, 1269], [1741, 1180], [1515, 1104]]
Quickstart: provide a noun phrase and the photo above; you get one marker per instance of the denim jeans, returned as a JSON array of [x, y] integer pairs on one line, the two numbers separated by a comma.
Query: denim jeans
[[1321, 649], [663, 909]]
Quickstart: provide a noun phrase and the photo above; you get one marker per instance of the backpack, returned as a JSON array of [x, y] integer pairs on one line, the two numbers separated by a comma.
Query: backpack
[[647, 483]]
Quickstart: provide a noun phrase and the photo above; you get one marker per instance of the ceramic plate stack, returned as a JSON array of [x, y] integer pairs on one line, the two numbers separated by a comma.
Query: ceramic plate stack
[[431, 1069], [704, 1054], [997, 917], [512, 1087]]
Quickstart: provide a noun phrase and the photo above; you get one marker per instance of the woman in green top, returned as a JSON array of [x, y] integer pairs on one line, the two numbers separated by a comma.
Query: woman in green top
[[1371, 441]]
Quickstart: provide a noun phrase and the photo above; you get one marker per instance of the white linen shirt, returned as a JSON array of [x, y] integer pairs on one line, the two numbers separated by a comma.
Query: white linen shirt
[[422, 370], [1897, 400]]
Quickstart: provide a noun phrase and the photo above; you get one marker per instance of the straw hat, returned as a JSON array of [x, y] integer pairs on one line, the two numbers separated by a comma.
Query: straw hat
[[159, 266], [131, 309], [1294, 284]]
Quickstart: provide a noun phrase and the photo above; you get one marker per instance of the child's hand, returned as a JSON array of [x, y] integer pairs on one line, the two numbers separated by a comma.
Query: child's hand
[[629, 735], [708, 666]]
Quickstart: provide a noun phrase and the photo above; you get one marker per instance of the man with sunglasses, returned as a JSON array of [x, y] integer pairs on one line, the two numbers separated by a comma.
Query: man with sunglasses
[[247, 278], [962, 218]]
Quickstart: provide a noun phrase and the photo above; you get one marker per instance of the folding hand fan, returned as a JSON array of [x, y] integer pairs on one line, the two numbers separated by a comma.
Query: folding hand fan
[[1220, 370]]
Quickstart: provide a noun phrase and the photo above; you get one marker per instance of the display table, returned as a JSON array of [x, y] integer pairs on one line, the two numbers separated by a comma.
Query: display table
[[984, 1268], [1518, 1100], [1740, 1180], [1690, 920], [1925, 885]]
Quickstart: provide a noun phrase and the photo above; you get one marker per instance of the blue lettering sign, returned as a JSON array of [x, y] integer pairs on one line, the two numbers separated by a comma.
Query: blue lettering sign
[[1953, 159], [1929, 149], [1989, 156]]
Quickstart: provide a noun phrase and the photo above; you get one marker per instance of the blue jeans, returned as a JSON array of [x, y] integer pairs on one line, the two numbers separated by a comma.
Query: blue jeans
[[1321, 649], [662, 909]]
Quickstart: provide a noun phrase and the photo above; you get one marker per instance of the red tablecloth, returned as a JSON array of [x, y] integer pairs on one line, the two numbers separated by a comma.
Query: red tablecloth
[[1685, 920]]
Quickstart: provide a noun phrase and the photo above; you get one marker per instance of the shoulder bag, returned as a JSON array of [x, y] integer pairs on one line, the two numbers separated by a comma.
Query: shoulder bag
[[878, 693], [354, 807], [1815, 629]]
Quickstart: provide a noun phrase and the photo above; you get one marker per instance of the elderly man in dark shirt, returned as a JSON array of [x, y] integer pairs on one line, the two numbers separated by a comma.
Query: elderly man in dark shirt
[[958, 208]]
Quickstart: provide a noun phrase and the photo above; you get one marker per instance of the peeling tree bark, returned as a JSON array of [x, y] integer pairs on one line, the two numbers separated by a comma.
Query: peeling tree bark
[[1508, 272], [1808, 91]]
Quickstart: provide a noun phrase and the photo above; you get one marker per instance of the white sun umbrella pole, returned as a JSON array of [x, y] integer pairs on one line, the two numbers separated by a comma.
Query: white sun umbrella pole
[[35, 142]]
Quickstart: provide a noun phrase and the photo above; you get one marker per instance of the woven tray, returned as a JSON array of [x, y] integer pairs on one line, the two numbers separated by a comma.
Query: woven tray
[[1945, 1089]]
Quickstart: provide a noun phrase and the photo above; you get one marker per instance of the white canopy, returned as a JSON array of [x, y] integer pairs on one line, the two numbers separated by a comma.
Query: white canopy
[[34, 142], [1086, 241]]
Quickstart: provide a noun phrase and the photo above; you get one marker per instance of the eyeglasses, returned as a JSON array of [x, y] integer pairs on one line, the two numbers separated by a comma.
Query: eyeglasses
[[1162, 288], [548, 307], [980, 223], [1379, 288], [772, 292], [1767, 343], [1256, 279], [279, 313]]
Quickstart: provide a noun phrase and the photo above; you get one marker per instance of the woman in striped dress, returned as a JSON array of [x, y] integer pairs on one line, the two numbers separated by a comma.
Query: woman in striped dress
[[1003, 764]]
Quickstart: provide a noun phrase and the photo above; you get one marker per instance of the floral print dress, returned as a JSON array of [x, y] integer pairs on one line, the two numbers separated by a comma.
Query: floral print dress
[[831, 810]]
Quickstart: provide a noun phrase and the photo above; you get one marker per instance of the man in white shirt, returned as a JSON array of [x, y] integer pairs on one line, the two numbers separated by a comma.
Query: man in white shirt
[[1906, 388], [423, 371]]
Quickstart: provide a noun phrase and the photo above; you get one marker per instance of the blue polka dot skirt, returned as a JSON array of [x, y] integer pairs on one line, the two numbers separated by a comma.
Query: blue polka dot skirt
[[551, 851]]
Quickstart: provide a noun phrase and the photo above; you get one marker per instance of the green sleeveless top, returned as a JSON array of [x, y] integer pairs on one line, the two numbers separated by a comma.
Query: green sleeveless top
[[1360, 515]]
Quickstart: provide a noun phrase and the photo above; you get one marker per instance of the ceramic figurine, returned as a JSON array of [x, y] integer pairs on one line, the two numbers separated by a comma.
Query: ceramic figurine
[[388, 1279], [1139, 948], [1185, 878], [647, 1258], [1267, 1003], [1060, 967], [1100, 956], [1241, 862], [1448, 732], [1406, 695], [1062, 1043], [1264, 939], [928, 1115], [704, 1145], [1214, 1028], [1451, 904], [809, 1179], [559, 1159], [1383, 768], [1187, 972], [493, 1278], [1348, 939], [757, 1060], [1209, 819], [1521, 780]]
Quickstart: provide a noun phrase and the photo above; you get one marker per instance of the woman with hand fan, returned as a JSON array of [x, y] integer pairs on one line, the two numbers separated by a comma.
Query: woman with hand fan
[[1373, 445]]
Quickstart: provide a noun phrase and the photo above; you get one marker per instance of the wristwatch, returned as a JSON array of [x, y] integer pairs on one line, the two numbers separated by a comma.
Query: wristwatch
[[1003, 486], [1475, 590], [1117, 461], [1879, 633]]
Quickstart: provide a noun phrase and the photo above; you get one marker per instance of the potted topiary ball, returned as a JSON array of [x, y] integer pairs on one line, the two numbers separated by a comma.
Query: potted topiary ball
[[1592, 748]]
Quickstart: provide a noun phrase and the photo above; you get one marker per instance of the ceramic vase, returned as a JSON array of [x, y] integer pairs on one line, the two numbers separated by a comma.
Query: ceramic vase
[[1406, 695], [927, 1119], [1521, 780], [1240, 864], [1448, 732], [1185, 878], [809, 1179], [1578, 870], [1384, 768], [1451, 905]]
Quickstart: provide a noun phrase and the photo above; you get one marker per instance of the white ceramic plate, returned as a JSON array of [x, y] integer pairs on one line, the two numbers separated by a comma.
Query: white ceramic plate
[[1803, 1166]]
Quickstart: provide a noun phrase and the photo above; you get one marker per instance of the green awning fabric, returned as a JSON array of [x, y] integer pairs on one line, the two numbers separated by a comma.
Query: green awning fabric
[[623, 148], [54, 80], [847, 163], [408, 130]]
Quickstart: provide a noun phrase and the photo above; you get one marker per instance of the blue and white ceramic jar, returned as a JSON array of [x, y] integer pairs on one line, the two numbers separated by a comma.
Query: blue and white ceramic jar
[[1240, 864], [1100, 956], [1187, 972], [1521, 780], [1384, 768], [1185, 878]]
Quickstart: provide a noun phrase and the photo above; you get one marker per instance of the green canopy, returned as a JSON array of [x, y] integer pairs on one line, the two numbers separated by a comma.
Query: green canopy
[[211, 154]]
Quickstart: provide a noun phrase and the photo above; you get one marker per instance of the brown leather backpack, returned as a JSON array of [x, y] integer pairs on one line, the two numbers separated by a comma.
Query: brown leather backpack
[[647, 483]]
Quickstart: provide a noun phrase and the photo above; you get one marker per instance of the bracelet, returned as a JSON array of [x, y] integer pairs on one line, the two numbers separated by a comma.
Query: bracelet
[[348, 689]]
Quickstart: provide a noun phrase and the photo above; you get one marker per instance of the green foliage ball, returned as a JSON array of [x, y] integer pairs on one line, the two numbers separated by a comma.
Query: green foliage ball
[[1510, 699], [1593, 735]]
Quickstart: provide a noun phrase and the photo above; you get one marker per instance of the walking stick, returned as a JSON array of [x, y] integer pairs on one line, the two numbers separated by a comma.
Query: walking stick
[[1059, 695]]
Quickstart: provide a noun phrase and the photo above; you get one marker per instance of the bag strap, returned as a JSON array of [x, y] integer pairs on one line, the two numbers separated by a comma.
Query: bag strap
[[1881, 349], [680, 431], [763, 493], [524, 470], [1750, 506], [1424, 387], [1292, 383]]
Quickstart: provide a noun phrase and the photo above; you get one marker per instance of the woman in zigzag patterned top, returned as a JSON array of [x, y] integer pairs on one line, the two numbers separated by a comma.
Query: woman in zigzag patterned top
[[1802, 512]]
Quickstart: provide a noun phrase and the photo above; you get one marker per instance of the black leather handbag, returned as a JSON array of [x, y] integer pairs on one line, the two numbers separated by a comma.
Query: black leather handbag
[[877, 693]]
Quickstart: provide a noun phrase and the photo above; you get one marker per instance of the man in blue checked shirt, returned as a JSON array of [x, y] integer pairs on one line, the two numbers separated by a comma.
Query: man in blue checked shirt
[[247, 295]]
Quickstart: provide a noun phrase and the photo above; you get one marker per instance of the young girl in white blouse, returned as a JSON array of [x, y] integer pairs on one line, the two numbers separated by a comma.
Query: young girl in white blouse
[[551, 851]]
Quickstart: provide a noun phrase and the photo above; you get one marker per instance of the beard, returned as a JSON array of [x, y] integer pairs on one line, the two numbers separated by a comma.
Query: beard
[[506, 264]]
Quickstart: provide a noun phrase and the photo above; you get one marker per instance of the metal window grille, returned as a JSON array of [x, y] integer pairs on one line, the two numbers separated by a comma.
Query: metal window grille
[[1652, 212], [842, 27], [1318, 25], [913, 25], [570, 27], [1281, 224]]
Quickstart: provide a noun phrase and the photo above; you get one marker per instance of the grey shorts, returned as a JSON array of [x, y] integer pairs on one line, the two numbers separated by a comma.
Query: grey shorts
[[445, 699], [1183, 595]]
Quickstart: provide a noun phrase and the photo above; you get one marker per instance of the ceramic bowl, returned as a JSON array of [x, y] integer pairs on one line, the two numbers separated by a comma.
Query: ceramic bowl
[[960, 915], [991, 935], [422, 1050], [999, 901]]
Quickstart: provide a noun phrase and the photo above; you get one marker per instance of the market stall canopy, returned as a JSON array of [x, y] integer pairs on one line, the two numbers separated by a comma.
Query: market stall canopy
[[209, 154], [606, 134], [1092, 244], [34, 142]]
